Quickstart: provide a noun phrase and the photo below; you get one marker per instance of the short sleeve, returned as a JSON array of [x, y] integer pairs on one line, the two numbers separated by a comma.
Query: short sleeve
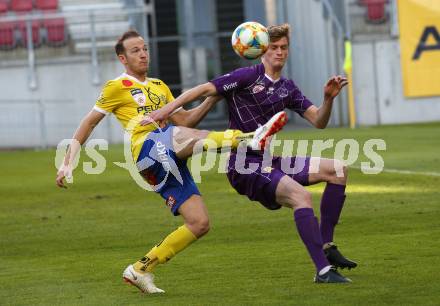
[[169, 94], [109, 99], [298, 102], [170, 98], [237, 79]]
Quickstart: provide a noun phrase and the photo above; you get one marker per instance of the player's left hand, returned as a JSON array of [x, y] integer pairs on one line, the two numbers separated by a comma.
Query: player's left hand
[[157, 116], [334, 86]]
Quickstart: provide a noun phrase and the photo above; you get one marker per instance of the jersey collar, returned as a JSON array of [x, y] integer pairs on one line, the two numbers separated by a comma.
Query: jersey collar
[[270, 79], [125, 75]]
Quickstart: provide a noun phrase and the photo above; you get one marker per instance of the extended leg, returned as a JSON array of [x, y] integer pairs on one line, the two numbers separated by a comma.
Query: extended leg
[[184, 139]]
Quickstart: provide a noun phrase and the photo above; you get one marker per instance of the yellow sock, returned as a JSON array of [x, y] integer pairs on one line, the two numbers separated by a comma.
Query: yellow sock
[[165, 250], [228, 138]]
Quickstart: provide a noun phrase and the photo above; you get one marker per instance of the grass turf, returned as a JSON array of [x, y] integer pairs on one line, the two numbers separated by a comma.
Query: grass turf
[[69, 247]]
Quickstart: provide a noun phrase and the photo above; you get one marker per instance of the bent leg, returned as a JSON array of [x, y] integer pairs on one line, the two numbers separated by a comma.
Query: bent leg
[[327, 170]]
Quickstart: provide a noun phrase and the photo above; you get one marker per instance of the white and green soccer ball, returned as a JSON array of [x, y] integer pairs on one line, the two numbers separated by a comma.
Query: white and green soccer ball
[[250, 40]]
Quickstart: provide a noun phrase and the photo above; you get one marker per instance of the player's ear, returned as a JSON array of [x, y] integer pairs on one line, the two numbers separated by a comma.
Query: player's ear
[[122, 59]]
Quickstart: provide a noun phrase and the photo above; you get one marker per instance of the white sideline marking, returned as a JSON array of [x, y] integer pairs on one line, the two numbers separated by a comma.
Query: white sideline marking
[[402, 171]]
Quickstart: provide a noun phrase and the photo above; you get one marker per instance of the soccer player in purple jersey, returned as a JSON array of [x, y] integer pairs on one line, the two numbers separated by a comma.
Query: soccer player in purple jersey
[[254, 94]]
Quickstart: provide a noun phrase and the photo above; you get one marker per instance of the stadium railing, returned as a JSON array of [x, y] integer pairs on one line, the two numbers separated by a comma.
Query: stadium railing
[[36, 34]]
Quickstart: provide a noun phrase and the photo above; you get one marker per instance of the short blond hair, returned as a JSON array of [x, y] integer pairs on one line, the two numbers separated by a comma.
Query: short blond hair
[[276, 32]]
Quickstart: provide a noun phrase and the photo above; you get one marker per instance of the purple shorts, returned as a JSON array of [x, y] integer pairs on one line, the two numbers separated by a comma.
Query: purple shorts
[[261, 184]]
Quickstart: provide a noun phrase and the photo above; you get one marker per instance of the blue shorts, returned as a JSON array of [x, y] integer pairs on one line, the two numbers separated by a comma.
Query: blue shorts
[[160, 166]]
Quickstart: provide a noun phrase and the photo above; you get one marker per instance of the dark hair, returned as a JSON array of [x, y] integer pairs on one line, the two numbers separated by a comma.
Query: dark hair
[[119, 47], [279, 31]]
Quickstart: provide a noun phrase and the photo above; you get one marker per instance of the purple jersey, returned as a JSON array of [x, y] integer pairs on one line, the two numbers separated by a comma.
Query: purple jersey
[[253, 97]]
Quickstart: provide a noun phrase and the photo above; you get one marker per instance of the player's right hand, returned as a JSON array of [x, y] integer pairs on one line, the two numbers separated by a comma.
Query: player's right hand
[[65, 171]]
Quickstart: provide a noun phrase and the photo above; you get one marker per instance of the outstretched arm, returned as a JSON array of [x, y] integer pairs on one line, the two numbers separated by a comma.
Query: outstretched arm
[[191, 118], [89, 122], [204, 90], [319, 116]]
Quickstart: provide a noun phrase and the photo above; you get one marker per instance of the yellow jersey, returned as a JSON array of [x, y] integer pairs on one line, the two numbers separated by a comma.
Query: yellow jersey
[[129, 100]]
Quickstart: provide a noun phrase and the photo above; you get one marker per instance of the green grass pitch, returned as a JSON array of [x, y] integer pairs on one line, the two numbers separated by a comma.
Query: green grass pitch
[[69, 247]]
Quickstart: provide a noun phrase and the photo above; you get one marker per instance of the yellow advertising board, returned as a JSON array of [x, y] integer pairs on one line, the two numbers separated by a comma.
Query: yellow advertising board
[[419, 27]]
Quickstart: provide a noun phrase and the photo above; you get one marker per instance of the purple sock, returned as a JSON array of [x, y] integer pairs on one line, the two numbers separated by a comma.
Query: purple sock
[[331, 206], [308, 230]]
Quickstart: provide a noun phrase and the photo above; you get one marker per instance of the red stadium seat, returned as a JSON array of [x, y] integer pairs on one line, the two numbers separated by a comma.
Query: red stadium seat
[[375, 10], [56, 31], [3, 6], [46, 4], [21, 5], [36, 38], [7, 37]]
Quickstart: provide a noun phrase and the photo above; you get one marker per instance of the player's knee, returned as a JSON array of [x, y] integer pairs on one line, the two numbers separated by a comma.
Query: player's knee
[[340, 172], [306, 199], [200, 226], [345, 171], [300, 199], [204, 226]]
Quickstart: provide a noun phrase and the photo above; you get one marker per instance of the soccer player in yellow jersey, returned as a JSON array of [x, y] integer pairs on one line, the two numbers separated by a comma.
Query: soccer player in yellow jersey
[[160, 149]]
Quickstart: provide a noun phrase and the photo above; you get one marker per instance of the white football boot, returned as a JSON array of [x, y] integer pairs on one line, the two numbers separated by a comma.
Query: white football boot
[[264, 132], [144, 281]]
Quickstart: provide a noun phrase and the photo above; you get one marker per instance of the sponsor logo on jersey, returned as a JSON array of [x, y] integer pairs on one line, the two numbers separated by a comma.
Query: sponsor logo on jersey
[[138, 96], [156, 82], [270, 90], [154, 98], [267, 169], [147, 108], [127, 83], [257, 88], [283, 92], [101, 98], [230, 86]]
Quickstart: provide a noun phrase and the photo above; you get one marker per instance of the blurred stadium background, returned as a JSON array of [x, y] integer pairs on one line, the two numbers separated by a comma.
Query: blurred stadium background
[[56, 54]]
